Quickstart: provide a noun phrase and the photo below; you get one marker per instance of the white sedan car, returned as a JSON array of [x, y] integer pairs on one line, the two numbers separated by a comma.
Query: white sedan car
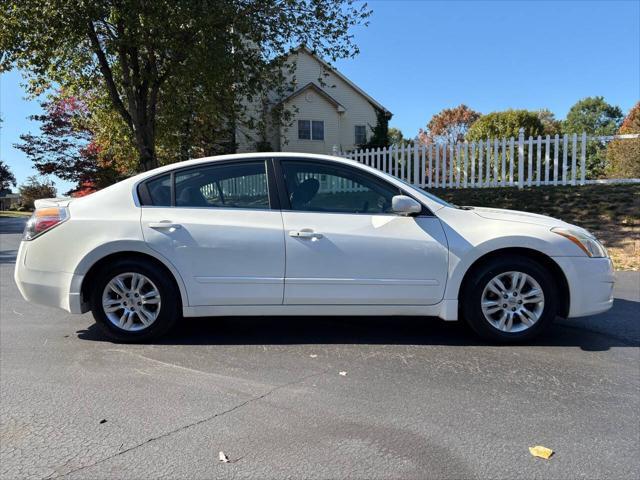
[[296, 234]]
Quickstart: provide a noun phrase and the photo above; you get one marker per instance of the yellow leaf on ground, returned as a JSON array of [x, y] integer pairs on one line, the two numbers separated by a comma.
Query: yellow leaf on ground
[[542, 452]]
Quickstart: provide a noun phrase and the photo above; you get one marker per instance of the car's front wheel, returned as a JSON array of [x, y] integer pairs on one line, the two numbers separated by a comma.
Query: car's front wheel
[[134, 301], [510, 299]]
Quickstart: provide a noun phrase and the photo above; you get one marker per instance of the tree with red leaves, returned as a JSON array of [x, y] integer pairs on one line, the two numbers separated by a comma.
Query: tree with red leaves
[[66, 146], [450, 125]]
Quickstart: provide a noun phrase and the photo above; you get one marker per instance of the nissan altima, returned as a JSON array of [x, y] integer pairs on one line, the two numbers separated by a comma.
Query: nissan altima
[[297, 234]]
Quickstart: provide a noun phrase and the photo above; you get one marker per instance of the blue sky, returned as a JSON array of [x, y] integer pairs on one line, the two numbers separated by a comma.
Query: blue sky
[[418, 57]]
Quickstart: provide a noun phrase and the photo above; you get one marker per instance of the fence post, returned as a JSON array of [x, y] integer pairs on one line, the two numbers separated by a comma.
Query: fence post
[[466, 164], [574, 159], [423, 166], [416, 165], [512, 160], [565, 152], [488, 170], [436, 176], [556, 149], [480, 162], [443, 175], [520, 158], [496, 161], [503, 170], [530, 166], [539, 160], [583, 159], [473, 164], [547, 158]]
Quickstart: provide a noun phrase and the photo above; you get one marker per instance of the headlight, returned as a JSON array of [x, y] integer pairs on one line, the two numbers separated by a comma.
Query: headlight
[[587, 243]]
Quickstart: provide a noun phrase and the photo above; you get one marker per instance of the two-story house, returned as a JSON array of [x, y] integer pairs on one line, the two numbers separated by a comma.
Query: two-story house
[[329, 113]]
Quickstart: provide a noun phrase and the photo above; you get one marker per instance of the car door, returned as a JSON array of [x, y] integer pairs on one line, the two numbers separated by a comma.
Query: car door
[[216, 224], [344, 245]]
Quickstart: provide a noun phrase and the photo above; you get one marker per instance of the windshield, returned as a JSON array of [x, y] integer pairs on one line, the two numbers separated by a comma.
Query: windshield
[[431, 196]]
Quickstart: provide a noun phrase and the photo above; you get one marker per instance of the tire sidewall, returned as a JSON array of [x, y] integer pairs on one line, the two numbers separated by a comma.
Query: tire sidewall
[[169, 309], [472, 297]]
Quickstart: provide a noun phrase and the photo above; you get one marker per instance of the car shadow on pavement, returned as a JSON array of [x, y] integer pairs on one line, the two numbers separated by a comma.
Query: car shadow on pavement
[[588, 334]]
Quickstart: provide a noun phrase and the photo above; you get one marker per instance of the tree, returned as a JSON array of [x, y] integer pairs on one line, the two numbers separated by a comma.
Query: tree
[[380, 133], [506, 124], [33, 189], [551, 125], [67, 146], [7, 179], [623, 155], [594, 116], [396, 137], [154, 60], [449, 125]]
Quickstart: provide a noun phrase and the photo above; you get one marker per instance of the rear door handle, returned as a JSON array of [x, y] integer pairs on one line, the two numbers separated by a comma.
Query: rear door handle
[[164, 224], [305, 233]]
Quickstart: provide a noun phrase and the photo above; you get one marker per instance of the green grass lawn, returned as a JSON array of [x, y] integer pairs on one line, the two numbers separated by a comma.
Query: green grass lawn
[[611, 212], [11, 213]]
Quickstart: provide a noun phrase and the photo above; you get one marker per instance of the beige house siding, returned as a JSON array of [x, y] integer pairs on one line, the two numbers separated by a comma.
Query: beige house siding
[[311, 106], [339, 123]]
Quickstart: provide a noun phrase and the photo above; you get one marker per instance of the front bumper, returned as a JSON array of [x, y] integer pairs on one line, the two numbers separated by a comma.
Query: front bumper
[[590, 282], [52, 289]]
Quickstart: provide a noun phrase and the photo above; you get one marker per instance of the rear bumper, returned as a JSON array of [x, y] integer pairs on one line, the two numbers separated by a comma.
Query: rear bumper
[[52, 289], [590, 282]]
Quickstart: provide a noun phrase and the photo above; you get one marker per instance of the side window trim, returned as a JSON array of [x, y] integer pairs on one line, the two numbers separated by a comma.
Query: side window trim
[[285, 203], [144, 196]]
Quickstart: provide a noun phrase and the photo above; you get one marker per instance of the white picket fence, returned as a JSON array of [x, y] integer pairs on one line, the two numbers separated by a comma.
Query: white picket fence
[[488, 163]]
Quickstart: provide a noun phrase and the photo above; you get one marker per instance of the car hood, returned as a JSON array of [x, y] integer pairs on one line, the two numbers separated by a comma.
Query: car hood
[[517, 216]]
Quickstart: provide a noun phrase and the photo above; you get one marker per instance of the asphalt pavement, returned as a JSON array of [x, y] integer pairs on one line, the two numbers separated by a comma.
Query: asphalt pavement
[[420, 398]]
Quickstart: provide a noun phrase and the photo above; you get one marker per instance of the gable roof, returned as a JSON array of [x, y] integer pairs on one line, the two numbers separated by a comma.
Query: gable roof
[[332, 69], [319, 91]]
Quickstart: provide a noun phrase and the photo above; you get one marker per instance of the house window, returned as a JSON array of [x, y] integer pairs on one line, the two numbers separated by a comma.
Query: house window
[[360, 134], [317, 130], [310, 130]]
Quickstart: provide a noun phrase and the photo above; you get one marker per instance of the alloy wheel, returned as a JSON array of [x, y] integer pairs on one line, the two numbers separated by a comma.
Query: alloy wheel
[[512, 302], [131, 301]]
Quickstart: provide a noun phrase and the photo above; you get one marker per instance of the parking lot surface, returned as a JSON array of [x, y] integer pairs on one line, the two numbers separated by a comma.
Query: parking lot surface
[[418, 398]]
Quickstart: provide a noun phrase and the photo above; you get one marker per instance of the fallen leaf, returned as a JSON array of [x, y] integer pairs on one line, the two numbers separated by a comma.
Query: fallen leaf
[[344, 374], [541, 452], [223, 458]]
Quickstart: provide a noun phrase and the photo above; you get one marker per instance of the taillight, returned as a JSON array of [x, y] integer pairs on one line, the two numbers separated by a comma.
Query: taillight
[[44, 219]]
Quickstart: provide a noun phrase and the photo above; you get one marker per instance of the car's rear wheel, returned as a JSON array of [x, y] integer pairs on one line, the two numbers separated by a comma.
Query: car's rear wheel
[[509, 299], [134, 301]]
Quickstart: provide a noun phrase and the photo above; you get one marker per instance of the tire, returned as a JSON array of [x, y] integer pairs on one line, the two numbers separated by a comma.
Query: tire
[[483, 305], [149, 316]]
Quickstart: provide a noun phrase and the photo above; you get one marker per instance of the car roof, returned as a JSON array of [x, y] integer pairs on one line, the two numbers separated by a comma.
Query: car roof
[[247, 157]]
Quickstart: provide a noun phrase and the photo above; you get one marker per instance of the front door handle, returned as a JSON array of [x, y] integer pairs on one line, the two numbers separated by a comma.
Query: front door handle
[[165, 224], [305, 233]]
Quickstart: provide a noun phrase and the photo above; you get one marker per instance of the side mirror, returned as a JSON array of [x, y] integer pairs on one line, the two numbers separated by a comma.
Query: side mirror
[[403, 205]]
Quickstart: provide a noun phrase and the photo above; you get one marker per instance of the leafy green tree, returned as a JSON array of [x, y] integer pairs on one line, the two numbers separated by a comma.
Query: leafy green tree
[[623, 155], [551, 125], [34, 189], [7, 179], [163, 63], [396, 137], [596, 117], [380, 132], [505, 124]]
